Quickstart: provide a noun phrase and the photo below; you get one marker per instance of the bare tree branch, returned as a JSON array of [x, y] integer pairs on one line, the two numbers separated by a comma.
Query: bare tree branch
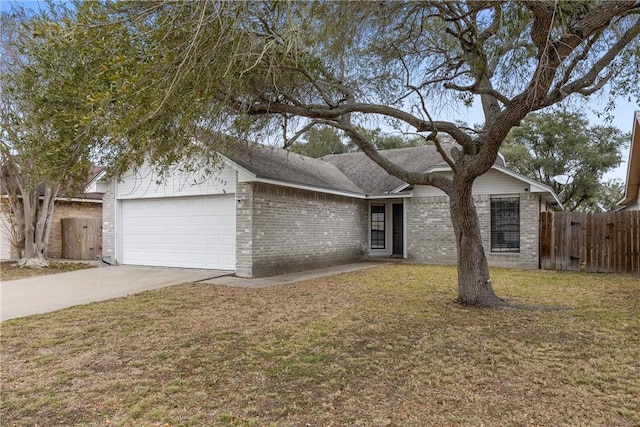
[[474, 88], [590, 76], [288, 142], [587, 91], [581, 56], [314, 111], [412, 178]]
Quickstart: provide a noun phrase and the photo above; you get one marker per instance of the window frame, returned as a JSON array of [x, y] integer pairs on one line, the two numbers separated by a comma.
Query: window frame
[[380, 233], [505, 232]]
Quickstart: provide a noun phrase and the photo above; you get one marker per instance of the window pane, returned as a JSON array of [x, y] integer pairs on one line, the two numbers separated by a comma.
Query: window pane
[[505, 224], [377, 208], [377, 226]]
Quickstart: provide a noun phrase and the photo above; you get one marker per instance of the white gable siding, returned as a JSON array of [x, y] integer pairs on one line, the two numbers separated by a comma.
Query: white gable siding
[[145, 183], [5, 240], [492, 182]]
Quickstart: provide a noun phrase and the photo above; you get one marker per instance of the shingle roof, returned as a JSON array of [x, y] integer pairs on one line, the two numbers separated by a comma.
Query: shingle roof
[[351, 172], [283, 165], [366, 174]]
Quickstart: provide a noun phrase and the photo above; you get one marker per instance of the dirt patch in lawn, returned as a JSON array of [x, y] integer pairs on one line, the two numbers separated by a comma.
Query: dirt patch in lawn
[[10, 271], [383, 347]]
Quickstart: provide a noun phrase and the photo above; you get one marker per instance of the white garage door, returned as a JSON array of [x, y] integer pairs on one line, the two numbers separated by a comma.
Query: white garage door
[[192, 232]]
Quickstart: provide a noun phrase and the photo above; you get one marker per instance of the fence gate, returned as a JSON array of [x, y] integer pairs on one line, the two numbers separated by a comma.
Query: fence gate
[[598, 242], [81, 238]]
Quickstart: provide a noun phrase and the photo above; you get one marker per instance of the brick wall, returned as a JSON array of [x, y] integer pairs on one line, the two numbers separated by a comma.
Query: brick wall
[[244, 229], [68, 210], [431, 240], [109, 222], [430, 237], [283, 230]]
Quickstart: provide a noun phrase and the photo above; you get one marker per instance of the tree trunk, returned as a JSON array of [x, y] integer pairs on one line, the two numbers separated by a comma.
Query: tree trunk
[[26, 248], [32, 218], [45, 218], [34, 225], [474, 283]]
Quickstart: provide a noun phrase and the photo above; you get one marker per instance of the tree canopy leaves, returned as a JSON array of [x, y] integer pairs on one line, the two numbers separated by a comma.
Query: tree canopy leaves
[[38, 112], [562, 143], [43, 148], [323, 140], [157, 71]]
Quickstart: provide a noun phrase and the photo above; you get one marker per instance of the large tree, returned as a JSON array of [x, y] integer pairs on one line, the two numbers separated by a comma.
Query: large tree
[[320, 141], [560, 149], [40, 150], [164, 69], [323, 140]]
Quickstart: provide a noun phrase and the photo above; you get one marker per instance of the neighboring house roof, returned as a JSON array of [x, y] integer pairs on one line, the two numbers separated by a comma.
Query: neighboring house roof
[[283, 165], [633, 168], [66, 194], [94, 174]]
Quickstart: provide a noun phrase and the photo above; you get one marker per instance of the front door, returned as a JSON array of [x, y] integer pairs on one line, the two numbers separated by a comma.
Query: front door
[[398, 229]]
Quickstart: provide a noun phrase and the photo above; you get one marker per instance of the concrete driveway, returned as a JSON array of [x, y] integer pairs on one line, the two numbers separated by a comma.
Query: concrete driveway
[[45, 294]]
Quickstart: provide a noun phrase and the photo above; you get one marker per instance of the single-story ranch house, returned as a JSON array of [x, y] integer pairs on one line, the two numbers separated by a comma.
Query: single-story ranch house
[[268, 211]]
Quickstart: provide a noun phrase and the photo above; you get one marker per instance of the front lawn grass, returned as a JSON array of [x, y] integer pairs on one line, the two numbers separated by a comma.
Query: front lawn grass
[[384, 347], [10, 271]]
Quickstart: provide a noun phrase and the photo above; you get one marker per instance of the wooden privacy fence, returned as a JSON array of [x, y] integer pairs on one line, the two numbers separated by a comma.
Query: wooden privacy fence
[[81, 238], [599, 242]]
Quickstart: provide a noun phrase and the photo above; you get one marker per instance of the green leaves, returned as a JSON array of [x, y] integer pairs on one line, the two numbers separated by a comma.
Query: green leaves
[[562, 143], [137, 79], [39, 106]]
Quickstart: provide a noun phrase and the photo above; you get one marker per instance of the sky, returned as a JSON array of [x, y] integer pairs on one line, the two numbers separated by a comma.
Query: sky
[[28, 4], [622, 114], [622, 118]]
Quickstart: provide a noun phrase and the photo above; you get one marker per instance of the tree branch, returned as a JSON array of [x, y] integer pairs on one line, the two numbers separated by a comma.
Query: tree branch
[[493, 28], [314, 111], [589, 78], [478, 91], [576, 60], [433, 136], [587, 91], [289, 142], [391, 168], [543, 18], [320, 90]]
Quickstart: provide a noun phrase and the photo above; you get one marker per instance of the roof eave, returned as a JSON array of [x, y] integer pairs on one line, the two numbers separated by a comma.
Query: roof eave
[[252, 177], [405, 195], [92, 186], [633, 168], [535, 186]]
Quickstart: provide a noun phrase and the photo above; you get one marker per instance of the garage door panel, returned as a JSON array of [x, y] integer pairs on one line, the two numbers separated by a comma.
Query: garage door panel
[[192, 232]]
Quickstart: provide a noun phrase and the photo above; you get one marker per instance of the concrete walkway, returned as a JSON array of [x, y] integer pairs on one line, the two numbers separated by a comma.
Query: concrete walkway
[[53, 292], [45, 294], [289, 278]]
